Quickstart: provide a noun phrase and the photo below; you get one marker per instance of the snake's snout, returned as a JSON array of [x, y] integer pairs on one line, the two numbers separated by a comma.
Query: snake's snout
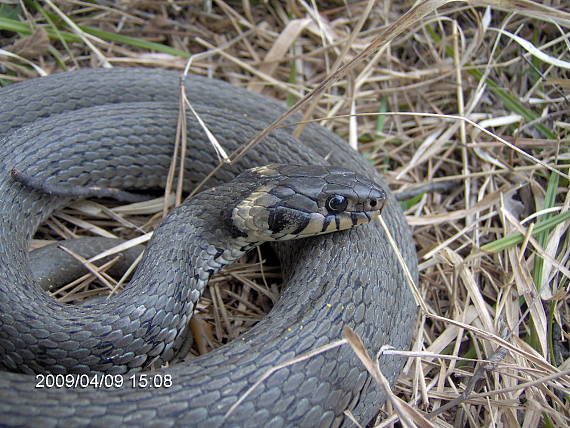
[[295, 201]]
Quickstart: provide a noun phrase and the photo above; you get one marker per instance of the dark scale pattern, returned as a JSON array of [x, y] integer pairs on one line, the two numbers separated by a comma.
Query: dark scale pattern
[[115, 128]]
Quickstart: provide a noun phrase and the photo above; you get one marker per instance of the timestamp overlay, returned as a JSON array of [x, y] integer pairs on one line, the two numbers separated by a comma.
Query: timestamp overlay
[[103, 381]]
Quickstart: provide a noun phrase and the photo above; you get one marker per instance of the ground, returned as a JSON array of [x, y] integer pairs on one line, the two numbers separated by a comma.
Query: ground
[[469, 93]]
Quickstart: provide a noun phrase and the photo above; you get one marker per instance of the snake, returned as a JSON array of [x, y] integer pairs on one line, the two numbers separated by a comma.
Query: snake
[[115, 128]]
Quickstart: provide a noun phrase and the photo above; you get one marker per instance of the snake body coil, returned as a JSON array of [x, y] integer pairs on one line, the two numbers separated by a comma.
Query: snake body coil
[[115, 128]]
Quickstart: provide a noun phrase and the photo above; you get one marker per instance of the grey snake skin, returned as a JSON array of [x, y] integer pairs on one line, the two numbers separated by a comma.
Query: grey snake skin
[[115, 128]]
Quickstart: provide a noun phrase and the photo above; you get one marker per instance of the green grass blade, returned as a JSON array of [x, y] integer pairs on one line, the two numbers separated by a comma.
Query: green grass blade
[[381, 119], [131, 41], [409, 203], [516, 238], [57, 34], [542, 237], [293, 79], [7, 24]]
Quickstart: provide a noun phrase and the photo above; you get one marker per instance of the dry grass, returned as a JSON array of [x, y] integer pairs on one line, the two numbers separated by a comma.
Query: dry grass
[[492, 339]]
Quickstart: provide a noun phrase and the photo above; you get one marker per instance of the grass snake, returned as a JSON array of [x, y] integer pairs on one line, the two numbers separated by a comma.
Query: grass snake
[[115, 128]]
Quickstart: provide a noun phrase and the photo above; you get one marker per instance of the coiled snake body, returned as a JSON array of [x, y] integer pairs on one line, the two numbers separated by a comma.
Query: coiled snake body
[[115, 128]]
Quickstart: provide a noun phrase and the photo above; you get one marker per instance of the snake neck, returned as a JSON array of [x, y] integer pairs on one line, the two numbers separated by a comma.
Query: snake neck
[[201, 244]]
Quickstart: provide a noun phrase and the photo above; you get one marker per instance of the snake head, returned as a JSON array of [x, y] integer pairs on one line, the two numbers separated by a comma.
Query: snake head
[[294, 202]]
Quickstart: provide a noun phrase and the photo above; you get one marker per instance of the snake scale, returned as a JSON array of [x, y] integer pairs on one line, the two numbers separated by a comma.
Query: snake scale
[[115, 128]]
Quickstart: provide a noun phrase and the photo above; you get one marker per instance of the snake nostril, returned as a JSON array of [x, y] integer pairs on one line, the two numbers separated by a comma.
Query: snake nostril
[[373, 203]]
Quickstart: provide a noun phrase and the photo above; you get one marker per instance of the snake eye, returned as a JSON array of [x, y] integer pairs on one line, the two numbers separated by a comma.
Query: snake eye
[[336, 203]]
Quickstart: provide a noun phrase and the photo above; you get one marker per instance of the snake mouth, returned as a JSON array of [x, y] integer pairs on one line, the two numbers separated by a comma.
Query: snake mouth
[[316, 224]]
